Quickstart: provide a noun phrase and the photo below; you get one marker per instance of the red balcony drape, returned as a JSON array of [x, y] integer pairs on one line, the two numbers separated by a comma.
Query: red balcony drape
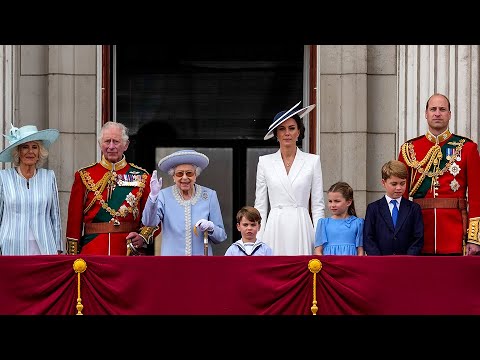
[[218, 285]]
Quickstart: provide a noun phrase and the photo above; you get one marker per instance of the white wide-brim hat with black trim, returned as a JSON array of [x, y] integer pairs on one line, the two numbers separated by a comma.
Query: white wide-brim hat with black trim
[[285, 115], [17, 136], [183, 157]]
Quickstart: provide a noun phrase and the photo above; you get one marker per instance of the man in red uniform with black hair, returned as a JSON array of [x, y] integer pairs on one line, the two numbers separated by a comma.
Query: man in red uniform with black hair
[[107, 200], [443, 168]]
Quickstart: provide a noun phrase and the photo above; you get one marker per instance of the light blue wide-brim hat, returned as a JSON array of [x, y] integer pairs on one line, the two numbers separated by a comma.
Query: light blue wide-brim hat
[[285, 115], [183, 157], [17, 136]]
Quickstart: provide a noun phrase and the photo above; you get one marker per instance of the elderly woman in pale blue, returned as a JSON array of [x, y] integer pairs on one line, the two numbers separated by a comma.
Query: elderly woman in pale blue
[[30, 222], [187, 210]]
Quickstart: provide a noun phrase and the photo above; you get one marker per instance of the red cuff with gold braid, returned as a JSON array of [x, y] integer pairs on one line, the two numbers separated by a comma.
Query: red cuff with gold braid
[[146, 232], [473, 231], [72, 246]]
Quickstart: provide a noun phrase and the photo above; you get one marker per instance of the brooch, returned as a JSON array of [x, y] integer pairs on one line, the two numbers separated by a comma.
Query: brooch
[[454, 185], [454, 169]]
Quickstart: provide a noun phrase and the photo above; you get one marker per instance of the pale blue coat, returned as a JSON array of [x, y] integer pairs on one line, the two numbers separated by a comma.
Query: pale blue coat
[[179, 216], [36, 208]]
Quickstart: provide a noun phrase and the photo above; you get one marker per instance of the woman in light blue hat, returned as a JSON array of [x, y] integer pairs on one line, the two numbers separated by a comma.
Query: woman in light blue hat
[[190, 213], [30, 222]]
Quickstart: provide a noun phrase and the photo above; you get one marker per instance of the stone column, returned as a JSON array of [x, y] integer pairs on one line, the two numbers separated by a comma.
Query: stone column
[[8, 74], [343, 118], [72, 108]]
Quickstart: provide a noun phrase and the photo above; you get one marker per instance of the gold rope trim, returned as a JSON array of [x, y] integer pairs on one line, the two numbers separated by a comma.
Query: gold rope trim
[[79, 266], [99, 187], [433, 157], [314, 266]]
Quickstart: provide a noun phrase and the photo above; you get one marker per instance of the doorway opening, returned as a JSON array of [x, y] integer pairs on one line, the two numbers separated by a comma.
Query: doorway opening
[[218, 99]]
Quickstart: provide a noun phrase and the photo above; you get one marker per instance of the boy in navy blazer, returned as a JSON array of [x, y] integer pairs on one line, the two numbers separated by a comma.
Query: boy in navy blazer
[[380, 235]]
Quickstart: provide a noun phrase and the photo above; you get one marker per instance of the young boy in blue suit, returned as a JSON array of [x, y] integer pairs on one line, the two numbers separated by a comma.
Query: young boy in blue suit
[[393, 224]]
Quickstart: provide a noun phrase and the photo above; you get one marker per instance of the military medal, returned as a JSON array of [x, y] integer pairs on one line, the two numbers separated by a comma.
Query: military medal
[[129, 180], [449, 153]]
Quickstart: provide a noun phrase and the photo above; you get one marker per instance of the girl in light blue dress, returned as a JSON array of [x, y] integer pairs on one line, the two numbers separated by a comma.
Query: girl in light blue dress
[[342, 233]]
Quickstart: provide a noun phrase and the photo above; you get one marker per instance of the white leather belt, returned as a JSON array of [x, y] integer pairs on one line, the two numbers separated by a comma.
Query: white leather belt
[[286, 206]]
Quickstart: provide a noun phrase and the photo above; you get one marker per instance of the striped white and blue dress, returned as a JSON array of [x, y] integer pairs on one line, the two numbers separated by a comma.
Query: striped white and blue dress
[[29, 214]]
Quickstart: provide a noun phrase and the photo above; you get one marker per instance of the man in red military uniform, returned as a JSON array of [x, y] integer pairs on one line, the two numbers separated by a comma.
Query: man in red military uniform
[[107, 200], [443, 168]]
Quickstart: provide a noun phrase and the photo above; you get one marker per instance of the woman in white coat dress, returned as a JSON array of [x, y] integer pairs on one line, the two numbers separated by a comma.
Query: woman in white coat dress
[[286, 181]]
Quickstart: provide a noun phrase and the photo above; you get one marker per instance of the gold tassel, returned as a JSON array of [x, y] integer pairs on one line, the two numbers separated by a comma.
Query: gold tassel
[[79, 266], [314, 266]]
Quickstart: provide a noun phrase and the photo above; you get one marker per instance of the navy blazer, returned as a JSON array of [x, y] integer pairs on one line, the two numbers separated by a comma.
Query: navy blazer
[[379, 236]]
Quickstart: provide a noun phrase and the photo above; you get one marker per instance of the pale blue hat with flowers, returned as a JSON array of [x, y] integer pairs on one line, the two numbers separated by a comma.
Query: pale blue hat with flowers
[[17, 136], [183, 157]]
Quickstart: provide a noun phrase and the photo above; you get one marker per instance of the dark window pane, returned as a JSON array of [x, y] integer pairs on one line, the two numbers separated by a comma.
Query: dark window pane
[[207, 91]]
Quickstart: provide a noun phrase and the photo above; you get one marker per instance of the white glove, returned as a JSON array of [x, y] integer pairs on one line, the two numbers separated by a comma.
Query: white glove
[[204, 225], [155, 186]]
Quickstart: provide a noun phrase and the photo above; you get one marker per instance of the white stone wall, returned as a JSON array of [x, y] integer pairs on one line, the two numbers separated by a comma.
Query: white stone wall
[[382, 116], [72, 78], [8, 74], [57, 88], [343, 118]]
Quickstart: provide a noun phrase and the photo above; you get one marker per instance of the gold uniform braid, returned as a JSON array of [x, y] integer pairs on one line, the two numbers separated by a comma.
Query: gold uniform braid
[[433, 157]]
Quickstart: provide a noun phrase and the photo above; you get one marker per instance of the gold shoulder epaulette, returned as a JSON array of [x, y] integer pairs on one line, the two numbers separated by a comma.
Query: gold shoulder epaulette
[[88, 166], [138, 167]]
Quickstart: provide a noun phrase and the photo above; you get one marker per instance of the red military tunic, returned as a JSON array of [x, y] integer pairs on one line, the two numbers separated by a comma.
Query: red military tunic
[[106, 204], [444, 167]]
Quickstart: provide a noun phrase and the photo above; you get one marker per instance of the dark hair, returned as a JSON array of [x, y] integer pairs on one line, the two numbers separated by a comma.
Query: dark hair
[[250, 213], [394, 168], [347, 193], [300, 126], [438, 94]]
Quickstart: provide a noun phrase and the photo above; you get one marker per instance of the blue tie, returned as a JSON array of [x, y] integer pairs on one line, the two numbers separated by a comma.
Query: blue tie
[[394, 212]]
